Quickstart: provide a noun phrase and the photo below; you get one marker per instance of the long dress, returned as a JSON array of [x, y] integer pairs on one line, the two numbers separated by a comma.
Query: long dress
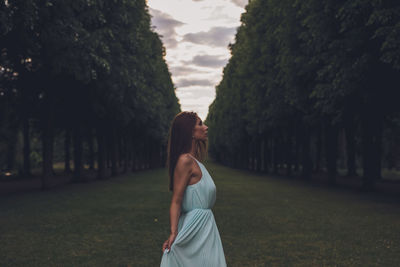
[[198, 243]]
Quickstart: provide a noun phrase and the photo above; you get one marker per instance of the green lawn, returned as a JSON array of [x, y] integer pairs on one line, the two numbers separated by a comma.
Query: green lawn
[[263, 221]]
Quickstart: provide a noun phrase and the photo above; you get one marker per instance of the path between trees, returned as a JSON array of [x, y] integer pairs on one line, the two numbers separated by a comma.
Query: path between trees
[[24, 185]]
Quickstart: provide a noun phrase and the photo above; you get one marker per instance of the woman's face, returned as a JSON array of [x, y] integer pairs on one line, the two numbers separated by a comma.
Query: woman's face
[[200, 130]]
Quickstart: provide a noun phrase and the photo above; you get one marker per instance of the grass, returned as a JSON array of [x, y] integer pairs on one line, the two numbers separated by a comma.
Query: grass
[[263, 221]]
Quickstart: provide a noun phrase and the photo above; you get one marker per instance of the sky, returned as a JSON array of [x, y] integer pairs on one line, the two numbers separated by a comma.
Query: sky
[[196, 35]]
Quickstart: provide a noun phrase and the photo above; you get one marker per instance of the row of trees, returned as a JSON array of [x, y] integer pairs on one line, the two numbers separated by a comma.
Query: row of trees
[[90, 72], [309, 84]]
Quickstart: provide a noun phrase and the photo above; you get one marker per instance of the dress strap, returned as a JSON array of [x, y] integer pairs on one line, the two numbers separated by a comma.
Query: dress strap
[[193, 157]]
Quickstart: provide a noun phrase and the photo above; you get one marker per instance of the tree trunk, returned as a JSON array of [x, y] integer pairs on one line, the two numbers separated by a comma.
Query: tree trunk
[[120, 153], [289, 155], [148, 153], [262, 154], [47, 150], [331, 144], [257, 153], [67, 151], [78, 149], [286, 150], [134, 152], [296, 153], [11, 149], [274, 156], [251, 155], [108, 148], [27, 147], [306, 157], [318, 155], [125, 154], [163, 156], [129, 153], [91, 149], [266, 154], [245, 155], [350, 147], [114, 153], [150, 149], [372, 135], [101, 159]]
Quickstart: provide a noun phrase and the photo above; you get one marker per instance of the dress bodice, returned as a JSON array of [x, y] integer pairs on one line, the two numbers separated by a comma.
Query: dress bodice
[[201, 195]]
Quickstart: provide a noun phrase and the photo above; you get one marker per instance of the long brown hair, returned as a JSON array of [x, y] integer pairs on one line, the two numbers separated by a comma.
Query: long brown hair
[[180, 142]]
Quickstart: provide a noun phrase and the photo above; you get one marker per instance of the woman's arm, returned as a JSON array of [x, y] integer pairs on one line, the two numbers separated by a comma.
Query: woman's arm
[[182, 174]]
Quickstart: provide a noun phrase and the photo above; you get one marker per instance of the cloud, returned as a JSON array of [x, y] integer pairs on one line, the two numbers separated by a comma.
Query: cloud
[[183, 70], [240, 3], [208, 61], [194, 82], [196, 93], [182, 95], [216, 36], [165, 25], [223, 16], [199, 104]]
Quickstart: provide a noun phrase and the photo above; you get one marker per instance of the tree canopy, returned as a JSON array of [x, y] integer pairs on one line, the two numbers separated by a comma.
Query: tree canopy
[[301, 73], [83, 67]]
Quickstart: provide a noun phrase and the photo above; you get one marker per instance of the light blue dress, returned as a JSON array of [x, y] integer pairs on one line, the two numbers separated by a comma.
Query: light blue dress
[[198, 243]]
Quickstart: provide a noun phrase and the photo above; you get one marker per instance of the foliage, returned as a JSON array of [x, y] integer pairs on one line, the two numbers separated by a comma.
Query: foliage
[[85, 65], [301, 66]]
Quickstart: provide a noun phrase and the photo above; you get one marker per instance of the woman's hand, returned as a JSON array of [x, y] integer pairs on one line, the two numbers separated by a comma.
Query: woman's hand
[[168, 243]]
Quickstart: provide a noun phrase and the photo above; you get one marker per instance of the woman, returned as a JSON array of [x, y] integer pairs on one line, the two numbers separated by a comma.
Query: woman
[[194, 240]]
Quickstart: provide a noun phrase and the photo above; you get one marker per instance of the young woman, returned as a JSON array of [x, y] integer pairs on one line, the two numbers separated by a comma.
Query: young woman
[[194, 240]]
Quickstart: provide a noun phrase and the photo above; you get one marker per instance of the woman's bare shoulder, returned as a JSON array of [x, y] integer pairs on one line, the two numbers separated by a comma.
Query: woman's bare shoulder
[[184, 168], [185, 160]]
